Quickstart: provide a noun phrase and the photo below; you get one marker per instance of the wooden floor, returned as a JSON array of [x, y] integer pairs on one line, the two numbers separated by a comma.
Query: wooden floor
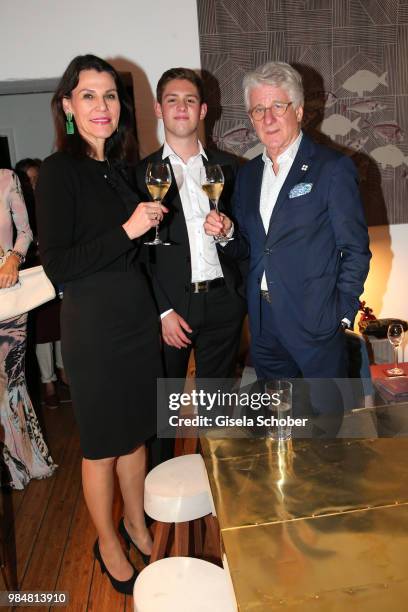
[[49, 530], [53, 532]]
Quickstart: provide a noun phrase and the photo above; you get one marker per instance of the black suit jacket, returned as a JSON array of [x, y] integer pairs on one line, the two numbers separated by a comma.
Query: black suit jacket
[[170, 266]]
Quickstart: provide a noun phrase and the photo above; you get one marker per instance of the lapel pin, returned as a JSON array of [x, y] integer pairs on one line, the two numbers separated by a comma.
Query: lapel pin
[[304, 167]]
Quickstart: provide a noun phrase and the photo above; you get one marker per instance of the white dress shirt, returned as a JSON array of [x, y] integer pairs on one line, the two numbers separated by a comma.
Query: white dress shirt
[[272, 184], [205, 263]]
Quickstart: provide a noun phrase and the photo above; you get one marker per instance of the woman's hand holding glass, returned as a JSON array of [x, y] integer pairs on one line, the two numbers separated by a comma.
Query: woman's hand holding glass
[[145, 216]]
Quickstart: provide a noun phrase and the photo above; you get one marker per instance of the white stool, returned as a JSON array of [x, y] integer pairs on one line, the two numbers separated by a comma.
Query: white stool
[[183, 584], [177, 491]]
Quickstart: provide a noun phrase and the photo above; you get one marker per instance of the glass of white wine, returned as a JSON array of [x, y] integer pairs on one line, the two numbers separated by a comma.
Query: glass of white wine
[[395, 334], [212, 183], [158, 181]]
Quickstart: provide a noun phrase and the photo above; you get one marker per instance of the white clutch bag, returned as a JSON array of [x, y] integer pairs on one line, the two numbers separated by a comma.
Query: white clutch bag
[[32, 289]]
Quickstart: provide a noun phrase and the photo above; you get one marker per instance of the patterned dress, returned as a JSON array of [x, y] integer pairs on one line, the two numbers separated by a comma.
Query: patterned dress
[[24, 454]]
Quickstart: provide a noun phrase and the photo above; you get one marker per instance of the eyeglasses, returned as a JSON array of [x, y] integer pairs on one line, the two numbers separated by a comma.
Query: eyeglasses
[[278, 109]]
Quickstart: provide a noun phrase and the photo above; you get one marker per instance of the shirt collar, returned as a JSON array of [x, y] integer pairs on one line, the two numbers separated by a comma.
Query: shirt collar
[[288, 154], [168, 152]]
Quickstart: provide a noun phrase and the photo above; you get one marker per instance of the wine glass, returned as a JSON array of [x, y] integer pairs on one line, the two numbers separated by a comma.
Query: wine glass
[[395, 335], [212, 183], [158, 181]]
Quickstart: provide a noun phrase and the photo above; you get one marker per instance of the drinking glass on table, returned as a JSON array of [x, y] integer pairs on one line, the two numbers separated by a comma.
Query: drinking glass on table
[[395, 334], [158, 181], [279, 409], [212, 183]]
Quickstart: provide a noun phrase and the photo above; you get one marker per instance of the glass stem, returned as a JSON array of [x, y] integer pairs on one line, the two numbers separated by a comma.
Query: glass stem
[[396, 357], [157, 226], [215, 204]]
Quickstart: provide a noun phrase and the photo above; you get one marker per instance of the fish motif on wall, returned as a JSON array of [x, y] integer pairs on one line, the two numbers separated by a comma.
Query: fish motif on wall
[[364, 80], [366, 106], [338, 125], [389, 131], [389, 155], [357, 144], [236, 137]]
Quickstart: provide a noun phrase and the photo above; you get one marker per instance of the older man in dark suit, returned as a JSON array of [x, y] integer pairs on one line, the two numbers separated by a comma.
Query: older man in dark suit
[[300, 219]]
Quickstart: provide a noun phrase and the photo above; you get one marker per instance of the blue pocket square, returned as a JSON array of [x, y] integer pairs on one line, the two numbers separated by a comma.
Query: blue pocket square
[[300, 189]]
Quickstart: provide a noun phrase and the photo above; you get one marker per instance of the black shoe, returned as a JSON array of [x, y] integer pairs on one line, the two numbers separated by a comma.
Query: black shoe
[[128, 540], [121, 586]]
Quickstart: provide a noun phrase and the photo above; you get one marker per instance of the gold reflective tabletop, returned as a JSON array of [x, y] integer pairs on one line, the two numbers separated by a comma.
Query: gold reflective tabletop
[[307, 479], [350, 561], [319, 525]]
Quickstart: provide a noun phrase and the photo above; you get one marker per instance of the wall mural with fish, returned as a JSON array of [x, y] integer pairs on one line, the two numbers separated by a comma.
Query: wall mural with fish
[[353, 56]]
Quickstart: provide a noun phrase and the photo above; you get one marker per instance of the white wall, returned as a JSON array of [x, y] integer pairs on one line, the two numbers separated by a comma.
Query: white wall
[[386, 288], [143, 37]]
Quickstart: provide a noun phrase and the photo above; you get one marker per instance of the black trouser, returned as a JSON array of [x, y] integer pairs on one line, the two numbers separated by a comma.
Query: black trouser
[[216, 319]]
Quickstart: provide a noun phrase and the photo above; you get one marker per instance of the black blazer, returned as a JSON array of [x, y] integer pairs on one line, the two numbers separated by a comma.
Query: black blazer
[[170, 266]]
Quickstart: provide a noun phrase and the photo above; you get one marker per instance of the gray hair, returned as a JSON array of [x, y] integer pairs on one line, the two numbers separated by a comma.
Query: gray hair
[[276, 74]]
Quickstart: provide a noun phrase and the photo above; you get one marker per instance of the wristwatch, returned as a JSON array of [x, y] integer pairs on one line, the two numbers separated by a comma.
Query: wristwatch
[[344, 325]]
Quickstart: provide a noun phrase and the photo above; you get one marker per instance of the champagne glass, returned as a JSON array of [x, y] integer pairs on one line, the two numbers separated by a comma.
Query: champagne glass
[[212, 183], [158, 181], [395, 334]]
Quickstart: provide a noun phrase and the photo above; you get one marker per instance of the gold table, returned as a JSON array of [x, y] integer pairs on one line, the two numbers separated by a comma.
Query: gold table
[[317, 525]]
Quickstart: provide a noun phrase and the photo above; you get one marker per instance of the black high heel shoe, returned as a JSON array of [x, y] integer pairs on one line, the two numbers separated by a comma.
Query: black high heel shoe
[[128, 540], [121, 586]]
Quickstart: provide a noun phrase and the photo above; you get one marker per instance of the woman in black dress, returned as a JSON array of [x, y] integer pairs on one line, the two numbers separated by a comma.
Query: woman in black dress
[[87, 225]]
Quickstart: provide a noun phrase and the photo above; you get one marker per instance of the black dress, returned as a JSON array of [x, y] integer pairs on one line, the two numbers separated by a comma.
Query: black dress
[[109, 323]]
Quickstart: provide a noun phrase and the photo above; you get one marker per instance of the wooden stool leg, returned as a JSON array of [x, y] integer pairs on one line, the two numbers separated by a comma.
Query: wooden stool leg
[[160, 541], [186, 446], [190, 446], [198, 537], [178, 446], [181, 539], [212, 534]]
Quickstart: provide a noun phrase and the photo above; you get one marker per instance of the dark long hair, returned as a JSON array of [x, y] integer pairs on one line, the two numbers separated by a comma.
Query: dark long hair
[[121, 144]]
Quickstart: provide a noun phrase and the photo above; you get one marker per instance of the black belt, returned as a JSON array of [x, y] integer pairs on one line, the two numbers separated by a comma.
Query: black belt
[[205, 286], [265, 295]]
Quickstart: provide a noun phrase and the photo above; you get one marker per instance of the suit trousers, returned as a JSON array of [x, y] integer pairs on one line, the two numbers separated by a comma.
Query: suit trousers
[[320, 367], [215, 318], [275, 354]]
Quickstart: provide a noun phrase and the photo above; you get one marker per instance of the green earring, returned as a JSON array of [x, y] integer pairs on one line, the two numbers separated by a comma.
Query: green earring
[[69, 125]]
